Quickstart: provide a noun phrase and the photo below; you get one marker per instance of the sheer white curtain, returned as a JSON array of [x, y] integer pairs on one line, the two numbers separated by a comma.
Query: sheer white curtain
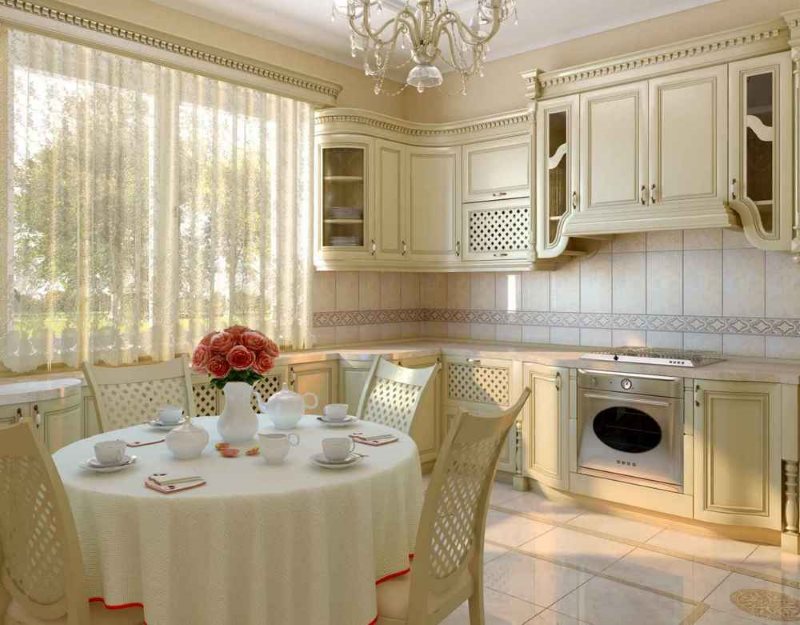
[[146, 206]]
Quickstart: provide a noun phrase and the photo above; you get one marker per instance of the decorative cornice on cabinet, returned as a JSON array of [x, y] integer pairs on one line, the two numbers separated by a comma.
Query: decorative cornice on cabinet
[[32, 15], [723, 47], [348, 120], [752, 326]]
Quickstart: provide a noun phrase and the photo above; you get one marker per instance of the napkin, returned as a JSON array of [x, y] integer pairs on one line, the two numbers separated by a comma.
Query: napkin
[[167, 484], [374, 441]]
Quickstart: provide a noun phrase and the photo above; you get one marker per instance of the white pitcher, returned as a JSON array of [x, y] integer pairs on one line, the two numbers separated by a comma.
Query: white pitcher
[[238, 423]]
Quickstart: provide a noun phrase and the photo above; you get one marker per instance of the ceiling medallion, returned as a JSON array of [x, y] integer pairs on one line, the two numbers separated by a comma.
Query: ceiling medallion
[[419, 35]]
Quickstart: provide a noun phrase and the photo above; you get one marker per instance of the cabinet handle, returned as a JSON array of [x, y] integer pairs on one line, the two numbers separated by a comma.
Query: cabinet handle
[[733, 189], [458, 248], [405, 248], [292, 377], [373, 247], [653, 197], [574, 200], [500, 254], [558, 381], [698, 393], [474, 361], [499, 194], [642, 197], [37, 417], [19, 415]]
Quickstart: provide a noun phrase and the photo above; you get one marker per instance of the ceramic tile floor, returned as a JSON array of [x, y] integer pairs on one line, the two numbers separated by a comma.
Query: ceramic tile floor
[[551, 562]]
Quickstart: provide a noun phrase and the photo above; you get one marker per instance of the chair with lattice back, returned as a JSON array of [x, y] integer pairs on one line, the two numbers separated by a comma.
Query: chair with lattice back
[[448, 558], [392, 394], [125, 396], [41, 569]]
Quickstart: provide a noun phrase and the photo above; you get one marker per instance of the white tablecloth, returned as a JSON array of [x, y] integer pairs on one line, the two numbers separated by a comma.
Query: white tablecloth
[[259, 544]]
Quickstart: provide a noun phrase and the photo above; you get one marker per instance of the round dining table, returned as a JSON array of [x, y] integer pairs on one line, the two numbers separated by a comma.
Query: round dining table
[[262, 544]]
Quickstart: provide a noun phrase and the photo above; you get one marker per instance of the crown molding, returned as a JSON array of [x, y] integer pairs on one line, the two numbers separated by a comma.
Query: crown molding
[[55, 19], [338, 120], [732, 45]]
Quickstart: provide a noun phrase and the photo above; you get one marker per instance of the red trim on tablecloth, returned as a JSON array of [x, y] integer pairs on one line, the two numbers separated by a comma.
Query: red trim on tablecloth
[[385, 578]]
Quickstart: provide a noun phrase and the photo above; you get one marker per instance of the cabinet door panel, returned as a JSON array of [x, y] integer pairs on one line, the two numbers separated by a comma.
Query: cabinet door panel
[[613, 129], [434, 203], [426, 430], [737, 454], [688, 121], [352, 378], [546, 419], [319, 379], [497, 169], [62, 420], [389, 195]]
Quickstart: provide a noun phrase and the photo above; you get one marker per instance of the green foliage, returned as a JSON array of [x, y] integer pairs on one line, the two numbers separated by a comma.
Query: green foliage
[[248, 375]]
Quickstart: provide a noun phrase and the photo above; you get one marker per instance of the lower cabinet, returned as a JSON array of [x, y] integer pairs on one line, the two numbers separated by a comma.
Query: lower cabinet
[[60, 419], [318, 378], [545, 439], [352, 378], [737, 443]]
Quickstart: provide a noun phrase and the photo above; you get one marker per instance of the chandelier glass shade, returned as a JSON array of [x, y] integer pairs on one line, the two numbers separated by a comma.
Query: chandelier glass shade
[[421, 34]]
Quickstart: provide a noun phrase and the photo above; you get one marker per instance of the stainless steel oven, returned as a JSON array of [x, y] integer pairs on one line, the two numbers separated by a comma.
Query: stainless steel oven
[[631, 427]]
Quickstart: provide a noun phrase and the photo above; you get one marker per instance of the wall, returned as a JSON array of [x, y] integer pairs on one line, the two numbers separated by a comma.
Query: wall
[[357, 90], [502, 89], [702, 289]]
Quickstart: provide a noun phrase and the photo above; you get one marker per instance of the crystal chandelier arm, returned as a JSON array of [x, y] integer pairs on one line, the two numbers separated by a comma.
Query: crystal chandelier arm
[[471, 37], [406, 18]]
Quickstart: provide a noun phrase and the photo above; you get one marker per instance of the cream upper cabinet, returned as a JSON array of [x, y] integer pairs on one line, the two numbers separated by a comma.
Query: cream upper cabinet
[[557, 171], [434, 203], [390, 200], [545, 440], [497, 230], [497, 169], [343, 226], [760, 148], [688, 140], [613, 148], [737, 448]]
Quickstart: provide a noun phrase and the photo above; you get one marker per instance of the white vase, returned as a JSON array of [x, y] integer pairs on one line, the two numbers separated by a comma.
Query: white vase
[[187, 441], [237, 423]]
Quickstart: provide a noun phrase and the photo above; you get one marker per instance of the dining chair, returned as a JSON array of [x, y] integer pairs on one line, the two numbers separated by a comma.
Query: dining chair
[[448, 557], [392, 394], [125, 396], [41, 568]]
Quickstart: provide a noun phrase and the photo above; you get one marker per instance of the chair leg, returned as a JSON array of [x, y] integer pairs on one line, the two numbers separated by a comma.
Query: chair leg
[[476, 615]]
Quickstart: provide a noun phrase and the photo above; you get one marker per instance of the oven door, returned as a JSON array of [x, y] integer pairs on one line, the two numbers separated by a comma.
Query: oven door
[[634, 436]]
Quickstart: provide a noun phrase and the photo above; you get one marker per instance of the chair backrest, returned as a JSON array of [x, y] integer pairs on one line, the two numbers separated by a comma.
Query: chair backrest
[[453, 521], [125, 396], [393, 393], [40, 557]]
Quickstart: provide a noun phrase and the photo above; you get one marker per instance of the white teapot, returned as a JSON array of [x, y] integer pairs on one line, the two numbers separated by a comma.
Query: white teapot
[[286, 407]]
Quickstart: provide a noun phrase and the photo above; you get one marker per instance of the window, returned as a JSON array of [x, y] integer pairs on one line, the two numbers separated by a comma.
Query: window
[[146, 206]]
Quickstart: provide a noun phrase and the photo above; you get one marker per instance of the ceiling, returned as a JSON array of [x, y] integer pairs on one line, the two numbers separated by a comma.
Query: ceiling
[[307, 24]]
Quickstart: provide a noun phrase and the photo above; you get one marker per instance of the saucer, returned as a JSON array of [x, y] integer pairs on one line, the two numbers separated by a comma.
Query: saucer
[[349, 420], [321, 461], [160, 425], [93, 465]]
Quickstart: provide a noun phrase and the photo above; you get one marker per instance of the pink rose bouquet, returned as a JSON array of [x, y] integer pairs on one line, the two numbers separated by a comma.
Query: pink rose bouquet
[[235, 354]]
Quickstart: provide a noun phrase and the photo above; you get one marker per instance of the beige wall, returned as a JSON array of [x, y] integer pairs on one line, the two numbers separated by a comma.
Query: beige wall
[[357, 89], [502, 89]]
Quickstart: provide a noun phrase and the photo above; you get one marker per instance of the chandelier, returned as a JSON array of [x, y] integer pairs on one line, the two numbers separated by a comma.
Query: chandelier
[[418, 36]]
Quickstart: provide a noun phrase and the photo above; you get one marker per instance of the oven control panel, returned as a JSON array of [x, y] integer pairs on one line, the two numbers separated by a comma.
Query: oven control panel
[[610, 381]]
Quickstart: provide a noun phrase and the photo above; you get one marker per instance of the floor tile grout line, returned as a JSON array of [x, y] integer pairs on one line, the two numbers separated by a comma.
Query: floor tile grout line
[[657, 549], [695, 615]]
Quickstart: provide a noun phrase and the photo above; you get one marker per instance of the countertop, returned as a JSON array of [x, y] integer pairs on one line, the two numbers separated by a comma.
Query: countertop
[[732, 369], [27, 390]]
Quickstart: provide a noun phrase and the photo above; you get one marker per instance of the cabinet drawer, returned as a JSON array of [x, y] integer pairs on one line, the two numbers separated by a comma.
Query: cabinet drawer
[[479, 382], [498, 230]]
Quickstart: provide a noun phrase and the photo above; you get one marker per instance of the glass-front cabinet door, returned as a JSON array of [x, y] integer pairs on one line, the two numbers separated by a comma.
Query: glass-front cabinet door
[[556, 172], [760, 148], [343, 198]]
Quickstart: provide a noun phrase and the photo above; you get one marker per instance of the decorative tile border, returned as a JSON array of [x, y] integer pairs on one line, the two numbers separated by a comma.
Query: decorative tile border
[[753, 326]]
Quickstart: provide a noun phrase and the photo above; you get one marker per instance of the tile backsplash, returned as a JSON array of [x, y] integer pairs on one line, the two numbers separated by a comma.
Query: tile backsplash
[[700, 289]]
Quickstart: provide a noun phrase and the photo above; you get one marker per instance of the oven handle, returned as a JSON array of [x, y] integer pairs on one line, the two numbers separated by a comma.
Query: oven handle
[[645, 402]]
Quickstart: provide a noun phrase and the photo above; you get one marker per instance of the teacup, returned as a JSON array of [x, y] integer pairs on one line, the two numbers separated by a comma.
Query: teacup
[[110, 452], [169, 415], [335, 412], [275, 445], [338, 448]]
